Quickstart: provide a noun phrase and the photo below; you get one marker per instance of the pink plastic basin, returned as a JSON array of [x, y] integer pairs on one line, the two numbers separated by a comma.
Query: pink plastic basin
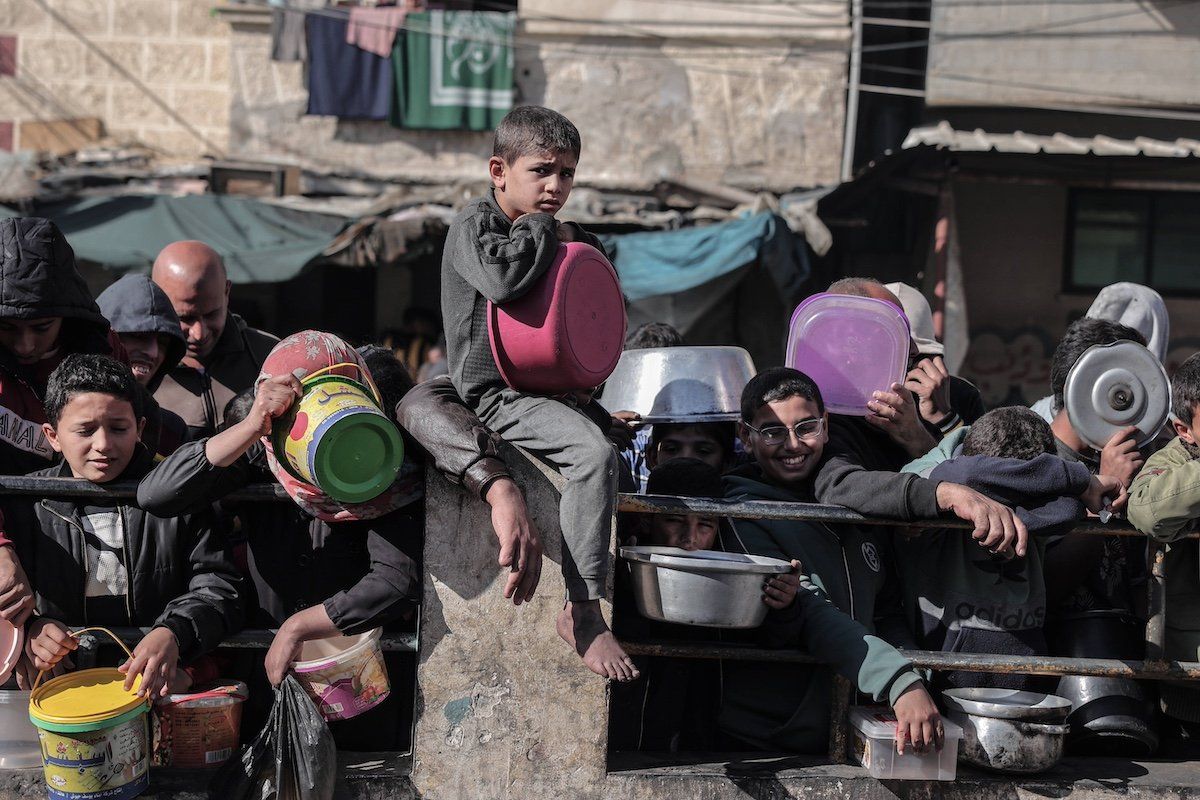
[[566, 333], [11, 638], [850, 346]]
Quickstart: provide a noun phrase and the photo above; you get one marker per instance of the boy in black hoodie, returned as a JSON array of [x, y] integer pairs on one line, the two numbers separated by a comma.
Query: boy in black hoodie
[[105, 562]]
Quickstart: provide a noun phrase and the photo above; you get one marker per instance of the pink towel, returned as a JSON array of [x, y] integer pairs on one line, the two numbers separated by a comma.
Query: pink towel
[[375, 29]]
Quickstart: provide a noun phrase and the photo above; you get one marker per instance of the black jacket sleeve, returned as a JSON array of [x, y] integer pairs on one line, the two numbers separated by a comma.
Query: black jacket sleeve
[[453, 438], [186, 481], [211, 609], [843, 479], [391, 586]]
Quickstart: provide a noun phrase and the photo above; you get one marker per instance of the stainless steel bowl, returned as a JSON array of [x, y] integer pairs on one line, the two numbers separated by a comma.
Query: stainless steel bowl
[[700, 587], [1008, 704], [1009, 745], [673, 384]]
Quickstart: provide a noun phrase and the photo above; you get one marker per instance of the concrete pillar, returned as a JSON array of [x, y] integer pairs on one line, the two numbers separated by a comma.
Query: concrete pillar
[[506, 709]]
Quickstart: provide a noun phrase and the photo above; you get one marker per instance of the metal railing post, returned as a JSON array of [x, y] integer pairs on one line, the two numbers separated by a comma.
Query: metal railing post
[[1156, 624], [839, 719]]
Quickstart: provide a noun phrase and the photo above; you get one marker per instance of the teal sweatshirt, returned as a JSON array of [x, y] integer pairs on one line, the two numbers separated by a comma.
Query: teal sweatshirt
[[787, 706]]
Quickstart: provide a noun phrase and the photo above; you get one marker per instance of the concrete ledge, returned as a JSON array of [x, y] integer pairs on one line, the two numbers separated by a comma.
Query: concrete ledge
[[361, 776], [711, 776]]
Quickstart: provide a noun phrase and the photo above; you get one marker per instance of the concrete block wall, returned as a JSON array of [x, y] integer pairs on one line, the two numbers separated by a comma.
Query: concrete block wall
[[155, 72]]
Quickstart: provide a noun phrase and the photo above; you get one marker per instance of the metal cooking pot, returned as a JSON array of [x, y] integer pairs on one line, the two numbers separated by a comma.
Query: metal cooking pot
[[700, 587], [680, 384], [1009, 745], [1109, 716]]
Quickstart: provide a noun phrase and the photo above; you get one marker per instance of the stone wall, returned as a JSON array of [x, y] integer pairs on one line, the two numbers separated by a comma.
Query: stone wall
[[155, 72], [757, 112]]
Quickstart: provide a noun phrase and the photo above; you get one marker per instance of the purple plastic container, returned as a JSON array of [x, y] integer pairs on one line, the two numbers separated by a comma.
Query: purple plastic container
[[851, 346]]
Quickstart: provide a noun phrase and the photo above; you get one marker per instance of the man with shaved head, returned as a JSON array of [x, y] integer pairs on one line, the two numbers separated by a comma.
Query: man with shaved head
[[223, 355]]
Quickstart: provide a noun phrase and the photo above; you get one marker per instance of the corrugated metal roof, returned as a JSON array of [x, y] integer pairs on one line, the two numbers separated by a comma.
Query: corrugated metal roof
[[943, 135]]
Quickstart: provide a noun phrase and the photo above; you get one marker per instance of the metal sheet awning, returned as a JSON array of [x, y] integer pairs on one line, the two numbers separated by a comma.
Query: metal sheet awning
[[944, 137]]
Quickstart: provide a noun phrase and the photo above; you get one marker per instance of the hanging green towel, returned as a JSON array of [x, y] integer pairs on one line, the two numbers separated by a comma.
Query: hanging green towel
[[454, 70]]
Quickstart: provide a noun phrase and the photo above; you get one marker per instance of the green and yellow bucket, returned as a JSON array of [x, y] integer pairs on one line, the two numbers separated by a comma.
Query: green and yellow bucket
[[337, 437], [94, 734]]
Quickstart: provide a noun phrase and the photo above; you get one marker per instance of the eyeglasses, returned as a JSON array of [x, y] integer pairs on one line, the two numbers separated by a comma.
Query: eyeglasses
[[806, 430]]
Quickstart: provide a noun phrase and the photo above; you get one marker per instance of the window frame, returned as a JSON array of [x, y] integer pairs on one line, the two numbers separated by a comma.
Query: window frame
[[1074, 193]]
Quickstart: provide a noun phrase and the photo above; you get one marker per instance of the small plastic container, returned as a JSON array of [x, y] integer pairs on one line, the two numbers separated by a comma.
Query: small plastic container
[[873, 744], [850, 346]]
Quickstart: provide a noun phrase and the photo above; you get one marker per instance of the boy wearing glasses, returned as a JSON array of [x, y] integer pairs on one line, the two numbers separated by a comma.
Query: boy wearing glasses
[[772, 706]]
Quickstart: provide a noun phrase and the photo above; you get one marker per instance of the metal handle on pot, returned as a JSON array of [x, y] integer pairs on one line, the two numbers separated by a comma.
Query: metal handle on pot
[[363, 374], [37, 681]]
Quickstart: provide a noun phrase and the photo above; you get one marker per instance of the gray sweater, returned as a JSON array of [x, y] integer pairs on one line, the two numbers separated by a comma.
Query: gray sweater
[[488, 257]]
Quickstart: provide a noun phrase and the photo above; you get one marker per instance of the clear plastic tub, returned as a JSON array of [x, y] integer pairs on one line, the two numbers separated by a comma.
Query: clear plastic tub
[[873, 744]]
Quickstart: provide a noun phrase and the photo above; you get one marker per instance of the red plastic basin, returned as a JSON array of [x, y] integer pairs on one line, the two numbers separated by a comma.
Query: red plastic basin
[[566, 333]]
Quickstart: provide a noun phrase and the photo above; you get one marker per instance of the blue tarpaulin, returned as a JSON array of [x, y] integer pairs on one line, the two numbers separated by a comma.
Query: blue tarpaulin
[[668, 262]]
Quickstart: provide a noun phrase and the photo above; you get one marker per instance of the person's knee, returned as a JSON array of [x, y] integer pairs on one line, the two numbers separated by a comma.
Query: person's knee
[[596, 457]]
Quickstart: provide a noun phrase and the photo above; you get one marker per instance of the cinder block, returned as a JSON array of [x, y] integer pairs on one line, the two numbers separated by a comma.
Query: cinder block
[[175, 62]]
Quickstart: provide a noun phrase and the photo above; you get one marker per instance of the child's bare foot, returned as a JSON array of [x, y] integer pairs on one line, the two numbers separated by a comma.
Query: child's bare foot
[[582, 626]]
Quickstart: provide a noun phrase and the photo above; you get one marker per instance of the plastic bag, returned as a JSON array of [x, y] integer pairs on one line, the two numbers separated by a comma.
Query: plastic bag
[[292, 758]]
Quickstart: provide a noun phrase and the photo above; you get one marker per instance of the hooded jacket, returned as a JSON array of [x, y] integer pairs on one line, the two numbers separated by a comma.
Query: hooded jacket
[[775, 706], [135, 304], [39, 278], [181, 576]]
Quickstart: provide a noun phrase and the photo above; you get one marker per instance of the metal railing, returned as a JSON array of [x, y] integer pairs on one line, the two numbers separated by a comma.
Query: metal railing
[[1152, 667]]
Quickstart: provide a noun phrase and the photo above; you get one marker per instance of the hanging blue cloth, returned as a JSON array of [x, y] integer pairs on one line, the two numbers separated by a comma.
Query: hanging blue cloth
[[343, 80]]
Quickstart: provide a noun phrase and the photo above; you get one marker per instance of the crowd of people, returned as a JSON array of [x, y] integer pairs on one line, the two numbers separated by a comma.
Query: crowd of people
[[157, 382]]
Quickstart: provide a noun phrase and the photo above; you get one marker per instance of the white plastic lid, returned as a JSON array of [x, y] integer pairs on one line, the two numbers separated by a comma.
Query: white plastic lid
[[879, 722]]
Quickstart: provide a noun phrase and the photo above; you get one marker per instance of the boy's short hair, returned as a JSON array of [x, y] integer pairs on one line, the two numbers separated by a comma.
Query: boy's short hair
[[685, 477], [653, 334], [532, 130], [720, 432], [391, 377], [778, 383], [87, 373], [237, 409], [1082, 334], [856, 286], [1009, 432], [1185, 389]]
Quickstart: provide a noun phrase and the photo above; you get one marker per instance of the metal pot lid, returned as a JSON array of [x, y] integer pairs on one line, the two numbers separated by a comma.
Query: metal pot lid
[[1008, 704], [1113, 386]]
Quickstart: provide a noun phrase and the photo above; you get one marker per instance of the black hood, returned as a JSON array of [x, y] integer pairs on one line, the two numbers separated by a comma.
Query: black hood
[[135, 304], [38, 275]]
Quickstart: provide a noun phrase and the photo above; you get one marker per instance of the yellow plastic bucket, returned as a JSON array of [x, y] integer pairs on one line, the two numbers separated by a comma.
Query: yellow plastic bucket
[[94, 734], [338, 439]]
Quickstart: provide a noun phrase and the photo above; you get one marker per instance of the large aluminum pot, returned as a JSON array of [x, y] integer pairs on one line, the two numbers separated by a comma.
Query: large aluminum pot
[[1109, 716], [1009, 745], [701, 587], [680, 384]]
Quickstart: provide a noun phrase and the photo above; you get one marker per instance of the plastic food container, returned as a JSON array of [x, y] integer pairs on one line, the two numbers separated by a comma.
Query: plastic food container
[[873, 744], [344, 675], [566, 333], [850, 346], [199, 729], [19, 746]]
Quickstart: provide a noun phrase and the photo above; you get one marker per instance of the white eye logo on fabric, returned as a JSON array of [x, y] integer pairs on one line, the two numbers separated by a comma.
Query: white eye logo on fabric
[[871, 556]]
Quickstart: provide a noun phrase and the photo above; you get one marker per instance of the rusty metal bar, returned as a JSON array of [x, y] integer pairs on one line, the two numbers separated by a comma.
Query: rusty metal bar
[[813, 512], [839, 719], [261, 639], [1156, 626], [932, 659], [77, 487]]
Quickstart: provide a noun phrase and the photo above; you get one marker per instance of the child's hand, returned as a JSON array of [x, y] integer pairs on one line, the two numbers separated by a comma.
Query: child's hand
[[917, 720], [1104, 491], [285, 650], [780, 591], [1120, 458], [566, 233], [621, 432], [895, 413], [520, 545], [48, 642], [155, 658], [930, 381], [272, 399]]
